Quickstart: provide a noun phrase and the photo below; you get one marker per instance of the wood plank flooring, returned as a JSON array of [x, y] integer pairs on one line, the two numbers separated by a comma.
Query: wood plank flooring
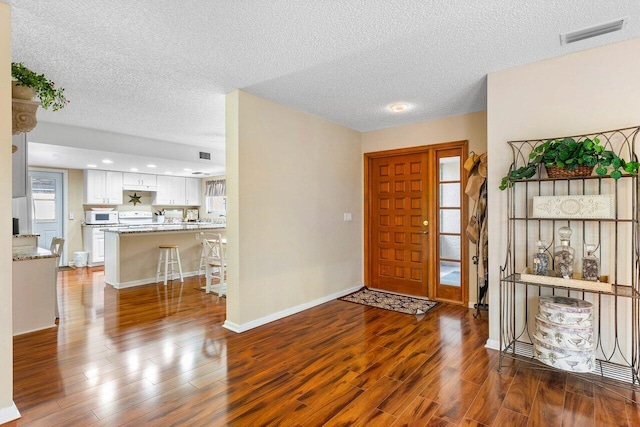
[[148, 356]]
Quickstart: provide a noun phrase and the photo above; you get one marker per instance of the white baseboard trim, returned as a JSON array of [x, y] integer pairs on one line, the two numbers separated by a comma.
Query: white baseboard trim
[[148, 281], [10, 413], [234, 327], [471, 304], [36, 329], [493, 344]]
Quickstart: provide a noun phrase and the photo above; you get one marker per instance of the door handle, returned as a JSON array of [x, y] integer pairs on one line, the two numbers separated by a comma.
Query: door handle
[[425, 232]]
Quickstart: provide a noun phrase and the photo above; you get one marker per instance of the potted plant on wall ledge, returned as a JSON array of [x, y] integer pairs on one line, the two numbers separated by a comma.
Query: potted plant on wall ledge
[[564, 158], [27, 84]]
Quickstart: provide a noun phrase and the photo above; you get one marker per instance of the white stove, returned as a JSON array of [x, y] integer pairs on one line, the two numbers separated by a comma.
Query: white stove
[[136, 218]]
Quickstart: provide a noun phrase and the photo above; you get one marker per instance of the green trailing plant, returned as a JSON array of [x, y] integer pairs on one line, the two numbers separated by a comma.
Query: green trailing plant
[[45, 89], [568, 153]]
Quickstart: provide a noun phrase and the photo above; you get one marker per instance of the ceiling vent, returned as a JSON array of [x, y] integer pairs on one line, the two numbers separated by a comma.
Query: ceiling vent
[[205, 156], [597, 30], [197, 173]]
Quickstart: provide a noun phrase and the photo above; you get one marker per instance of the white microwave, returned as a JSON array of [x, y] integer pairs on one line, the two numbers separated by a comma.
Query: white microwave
[[101, 217]]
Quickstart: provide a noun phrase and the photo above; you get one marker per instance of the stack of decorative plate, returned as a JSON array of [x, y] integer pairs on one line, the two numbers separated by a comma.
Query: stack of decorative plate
[[564, 334]]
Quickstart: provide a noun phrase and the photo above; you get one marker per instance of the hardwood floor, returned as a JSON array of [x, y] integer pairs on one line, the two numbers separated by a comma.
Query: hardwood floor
[[144, 356]]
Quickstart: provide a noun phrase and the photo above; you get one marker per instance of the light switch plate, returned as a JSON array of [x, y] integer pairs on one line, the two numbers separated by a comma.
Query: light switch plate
[[347, 216]]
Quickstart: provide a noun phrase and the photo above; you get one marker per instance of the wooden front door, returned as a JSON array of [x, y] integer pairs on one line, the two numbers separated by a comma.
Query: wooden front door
[[399, 223], [415, 215]]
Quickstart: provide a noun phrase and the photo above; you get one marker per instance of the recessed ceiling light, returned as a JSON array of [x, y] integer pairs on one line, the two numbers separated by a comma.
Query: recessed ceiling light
[[107, 161], [397, 107], [168, 173], [92, 166], [151, 166], [134, 169]]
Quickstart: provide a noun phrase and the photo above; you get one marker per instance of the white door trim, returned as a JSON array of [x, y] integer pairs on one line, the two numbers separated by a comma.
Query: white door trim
[[65, 207]]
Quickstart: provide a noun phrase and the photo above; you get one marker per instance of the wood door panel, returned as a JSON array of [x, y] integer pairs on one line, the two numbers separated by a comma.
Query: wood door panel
[[398, 208]]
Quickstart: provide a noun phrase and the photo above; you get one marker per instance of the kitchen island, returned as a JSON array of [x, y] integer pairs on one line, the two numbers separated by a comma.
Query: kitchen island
[[34, 276], [131, 253]]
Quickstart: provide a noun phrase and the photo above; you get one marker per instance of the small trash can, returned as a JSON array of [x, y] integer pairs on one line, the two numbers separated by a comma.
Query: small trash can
[[80, 259]]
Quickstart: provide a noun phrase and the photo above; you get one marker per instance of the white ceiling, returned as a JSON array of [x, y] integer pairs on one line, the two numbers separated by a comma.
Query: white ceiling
[[160, 69]]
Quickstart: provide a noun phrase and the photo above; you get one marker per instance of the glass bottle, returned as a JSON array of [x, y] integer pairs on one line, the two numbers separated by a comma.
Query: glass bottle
[[590, 264], [564, 254], [541, 259]]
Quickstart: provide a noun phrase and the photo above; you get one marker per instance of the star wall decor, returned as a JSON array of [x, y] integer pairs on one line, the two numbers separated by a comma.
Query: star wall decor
[[135, 199]]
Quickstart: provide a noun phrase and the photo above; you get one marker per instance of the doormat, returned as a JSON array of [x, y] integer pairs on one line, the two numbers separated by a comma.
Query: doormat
[[393, 302], [66, 268]]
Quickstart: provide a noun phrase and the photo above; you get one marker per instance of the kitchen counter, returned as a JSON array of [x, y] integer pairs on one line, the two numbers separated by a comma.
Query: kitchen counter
[[153, 228], [24, 242], [27, 252], [131, 254], [22, 236]]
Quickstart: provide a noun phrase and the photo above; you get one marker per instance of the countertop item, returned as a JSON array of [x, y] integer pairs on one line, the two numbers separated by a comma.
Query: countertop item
[[25, 253], [19, 236]]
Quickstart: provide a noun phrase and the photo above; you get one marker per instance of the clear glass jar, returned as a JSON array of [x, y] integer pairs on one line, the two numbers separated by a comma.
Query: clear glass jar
[[541, 259], [564, 254], [590, 265]]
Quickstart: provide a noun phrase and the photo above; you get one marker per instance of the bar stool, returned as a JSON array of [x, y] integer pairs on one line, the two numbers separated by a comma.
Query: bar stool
[[206, 236], [169, 255]]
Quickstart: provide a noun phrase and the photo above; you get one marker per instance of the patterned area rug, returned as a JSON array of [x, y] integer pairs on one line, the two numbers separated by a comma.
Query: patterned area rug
[[393, 302]]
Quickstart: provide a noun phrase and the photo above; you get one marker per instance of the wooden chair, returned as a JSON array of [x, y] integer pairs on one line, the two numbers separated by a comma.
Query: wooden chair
[[57, 244], [216, 263]]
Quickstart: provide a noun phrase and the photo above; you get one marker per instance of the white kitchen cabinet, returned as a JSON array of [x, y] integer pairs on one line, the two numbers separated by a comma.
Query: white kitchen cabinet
[[192, 192], [139, 181], [93, 239], [102, 187], [170, 191]]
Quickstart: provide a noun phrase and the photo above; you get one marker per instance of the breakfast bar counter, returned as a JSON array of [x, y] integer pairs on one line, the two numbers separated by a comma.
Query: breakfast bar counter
[[131, 253]]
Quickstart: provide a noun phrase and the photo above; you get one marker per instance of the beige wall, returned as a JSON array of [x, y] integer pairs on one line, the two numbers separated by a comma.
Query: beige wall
[[290, 178], [579, 93], [471, 127], [7, 408]]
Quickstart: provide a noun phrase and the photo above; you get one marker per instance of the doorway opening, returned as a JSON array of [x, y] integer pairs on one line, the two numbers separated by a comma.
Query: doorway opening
[[415, 212], [47, 207]]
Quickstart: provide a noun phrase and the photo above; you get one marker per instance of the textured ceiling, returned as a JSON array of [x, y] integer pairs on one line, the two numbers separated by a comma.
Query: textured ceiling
[[160, 68]]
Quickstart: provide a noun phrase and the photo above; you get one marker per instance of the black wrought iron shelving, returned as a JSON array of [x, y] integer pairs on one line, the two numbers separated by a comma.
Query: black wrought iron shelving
[[617, 326]]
